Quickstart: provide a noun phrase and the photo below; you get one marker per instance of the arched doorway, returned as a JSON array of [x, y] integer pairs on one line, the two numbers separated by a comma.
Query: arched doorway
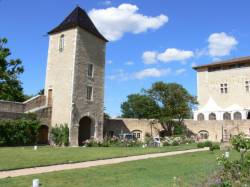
[[84, 131], [43, 132]]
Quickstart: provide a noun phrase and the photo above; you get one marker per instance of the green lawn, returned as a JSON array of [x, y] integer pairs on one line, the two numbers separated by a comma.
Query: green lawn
[[22, 157], [191, 169]]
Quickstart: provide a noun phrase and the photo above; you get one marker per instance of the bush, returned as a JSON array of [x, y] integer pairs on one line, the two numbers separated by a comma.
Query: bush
[[204, 144], [112, 142], [60, 135], [19, 132], [240, 141]]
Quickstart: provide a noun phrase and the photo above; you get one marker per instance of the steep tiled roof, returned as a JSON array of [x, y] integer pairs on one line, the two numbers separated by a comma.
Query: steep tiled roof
[[225, 62], [78, 18]]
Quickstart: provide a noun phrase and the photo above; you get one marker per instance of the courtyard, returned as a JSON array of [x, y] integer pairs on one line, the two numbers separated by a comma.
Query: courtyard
[[192, 169]]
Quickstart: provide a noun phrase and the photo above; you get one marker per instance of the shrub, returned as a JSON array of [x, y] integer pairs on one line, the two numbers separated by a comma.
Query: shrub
[[19, 132], [240, 141], [60, 135], [204, 144]]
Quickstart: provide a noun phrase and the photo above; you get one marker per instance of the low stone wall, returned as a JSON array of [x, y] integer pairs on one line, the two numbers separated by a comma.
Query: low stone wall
[[12, 107], [35, 102], [10, 115], [219, 129], [127, 125]]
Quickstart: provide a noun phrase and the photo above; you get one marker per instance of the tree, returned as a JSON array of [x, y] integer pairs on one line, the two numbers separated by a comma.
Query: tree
[[139, 106], [174, 101], [169, 103], [10, 86]]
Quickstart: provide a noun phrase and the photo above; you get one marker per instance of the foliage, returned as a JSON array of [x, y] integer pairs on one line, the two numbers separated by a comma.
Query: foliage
[[60, 135], [236, 172], [174, 101], [112, 142], [10, 85], [169, 103], [174, 141], [204, 144], [19, 132], [139, 106], [240, 141]]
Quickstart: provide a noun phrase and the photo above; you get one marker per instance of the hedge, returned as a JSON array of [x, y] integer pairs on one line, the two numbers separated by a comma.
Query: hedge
[[19, 132]]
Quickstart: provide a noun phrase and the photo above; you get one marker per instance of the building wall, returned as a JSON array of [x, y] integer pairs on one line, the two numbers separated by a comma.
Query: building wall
[[208, 85], [127, 125], [90, 50], [219, 129], [11, 107], [59, 75]]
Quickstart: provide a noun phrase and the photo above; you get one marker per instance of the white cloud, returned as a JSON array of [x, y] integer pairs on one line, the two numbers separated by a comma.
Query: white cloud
[[180, 71], [149, 57], [151, 72], [129, 63], [173, 54], [221, 44], [114, 22]]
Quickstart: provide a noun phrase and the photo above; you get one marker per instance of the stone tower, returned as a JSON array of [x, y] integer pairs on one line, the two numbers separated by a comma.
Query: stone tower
[[74, 84]]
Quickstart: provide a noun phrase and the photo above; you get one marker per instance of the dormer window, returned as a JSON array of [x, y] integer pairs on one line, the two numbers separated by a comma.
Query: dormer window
[[61, 43]]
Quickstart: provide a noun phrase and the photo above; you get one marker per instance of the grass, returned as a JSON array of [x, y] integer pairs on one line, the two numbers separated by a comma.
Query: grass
[[24, 157], [190, 169]]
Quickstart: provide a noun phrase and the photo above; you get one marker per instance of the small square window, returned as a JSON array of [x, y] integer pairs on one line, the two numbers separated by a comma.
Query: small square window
[[90, 70], [89, 93]]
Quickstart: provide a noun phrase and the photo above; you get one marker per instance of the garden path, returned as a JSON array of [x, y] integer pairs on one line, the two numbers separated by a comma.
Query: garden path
[[87, 164]]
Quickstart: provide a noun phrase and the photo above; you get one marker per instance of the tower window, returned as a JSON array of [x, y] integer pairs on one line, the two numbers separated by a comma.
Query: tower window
[[89, 93], [61, 43], [223, 88], [247, 85], [90, 70]]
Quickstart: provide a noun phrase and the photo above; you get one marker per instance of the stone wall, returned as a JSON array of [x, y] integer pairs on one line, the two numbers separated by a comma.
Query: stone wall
[[12, 107], [127, 125], [219, 129], [35, 102], [89, 50]]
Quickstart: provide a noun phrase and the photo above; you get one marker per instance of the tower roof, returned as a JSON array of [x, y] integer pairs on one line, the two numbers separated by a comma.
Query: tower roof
[[78, 18]]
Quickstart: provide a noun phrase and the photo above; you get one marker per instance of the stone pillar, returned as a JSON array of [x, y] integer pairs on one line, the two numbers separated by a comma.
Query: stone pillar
[[73, 135]]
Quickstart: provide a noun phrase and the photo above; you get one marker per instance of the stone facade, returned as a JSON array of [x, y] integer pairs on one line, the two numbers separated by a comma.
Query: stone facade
[[116, 127], [223, 90], [90, 50]]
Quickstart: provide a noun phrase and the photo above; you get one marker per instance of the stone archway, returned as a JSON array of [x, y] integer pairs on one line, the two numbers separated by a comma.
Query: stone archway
[[43, 132], [84, 130]]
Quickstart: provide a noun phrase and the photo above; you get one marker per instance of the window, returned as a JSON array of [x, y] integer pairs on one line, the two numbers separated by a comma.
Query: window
[[61, 43], [200, 117], [223, 88], [237, 116], [138, 135], [90, 70], [226, 116], [212, 116], [247, 85], [203, 134], [90, 93]]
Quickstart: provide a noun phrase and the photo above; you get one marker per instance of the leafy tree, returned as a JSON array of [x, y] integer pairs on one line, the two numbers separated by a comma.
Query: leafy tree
[[10, 86], [139, 106], [169, 103], [174, 101]]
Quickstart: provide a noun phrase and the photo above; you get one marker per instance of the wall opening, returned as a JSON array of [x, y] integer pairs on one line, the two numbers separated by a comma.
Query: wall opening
[[84, 131], [212, 116], [43, 132], [226, 116], [200, 117]]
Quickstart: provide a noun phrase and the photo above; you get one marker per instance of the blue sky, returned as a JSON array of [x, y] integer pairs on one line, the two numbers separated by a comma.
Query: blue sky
[[153, 40]]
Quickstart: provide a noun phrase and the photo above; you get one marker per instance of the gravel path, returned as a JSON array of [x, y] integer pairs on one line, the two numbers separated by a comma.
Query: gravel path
[[87, 164]]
